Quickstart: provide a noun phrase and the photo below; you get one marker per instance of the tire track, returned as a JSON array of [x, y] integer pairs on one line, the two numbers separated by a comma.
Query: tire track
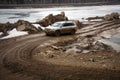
[[16, 54], [97, 27]]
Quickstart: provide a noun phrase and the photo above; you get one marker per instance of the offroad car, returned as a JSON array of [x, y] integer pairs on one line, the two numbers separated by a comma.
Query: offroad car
[[62, 27]]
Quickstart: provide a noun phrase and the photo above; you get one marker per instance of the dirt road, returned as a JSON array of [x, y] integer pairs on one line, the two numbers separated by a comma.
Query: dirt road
[[17, 62]]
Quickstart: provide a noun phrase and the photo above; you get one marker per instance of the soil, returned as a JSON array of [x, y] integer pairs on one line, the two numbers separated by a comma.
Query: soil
[[40, 57]]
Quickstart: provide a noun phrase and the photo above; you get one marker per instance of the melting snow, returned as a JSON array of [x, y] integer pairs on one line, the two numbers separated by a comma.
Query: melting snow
[[0, 33], [74, 13], [14, 33], [38, 26], [114, 42]]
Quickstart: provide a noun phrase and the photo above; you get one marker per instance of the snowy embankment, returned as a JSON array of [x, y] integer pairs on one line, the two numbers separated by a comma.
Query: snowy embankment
[[0, 33], [14, 33], [38, 26]]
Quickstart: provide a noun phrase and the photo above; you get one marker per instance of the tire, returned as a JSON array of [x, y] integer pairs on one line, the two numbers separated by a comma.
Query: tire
[[73, 32], [57, 33], [47, 34]]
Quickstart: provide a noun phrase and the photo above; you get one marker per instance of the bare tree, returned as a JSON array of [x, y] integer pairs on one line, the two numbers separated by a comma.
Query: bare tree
[[52, 1]]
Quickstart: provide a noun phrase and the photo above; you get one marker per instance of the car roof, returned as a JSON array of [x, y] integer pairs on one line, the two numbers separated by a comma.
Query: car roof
[[65, 22]]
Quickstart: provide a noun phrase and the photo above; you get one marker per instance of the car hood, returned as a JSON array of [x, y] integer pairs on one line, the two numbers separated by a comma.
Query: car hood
[[51, 27]]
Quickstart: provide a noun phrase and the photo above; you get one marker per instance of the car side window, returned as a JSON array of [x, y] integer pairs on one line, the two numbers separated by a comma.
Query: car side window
[[68, 24]]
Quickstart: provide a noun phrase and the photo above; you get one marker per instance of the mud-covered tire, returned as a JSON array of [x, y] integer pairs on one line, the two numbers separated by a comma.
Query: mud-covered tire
[[73, 32], [47, 34], [57, 33]]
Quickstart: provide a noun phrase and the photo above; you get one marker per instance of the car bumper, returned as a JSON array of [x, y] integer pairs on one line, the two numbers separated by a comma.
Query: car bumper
[[49, 31]]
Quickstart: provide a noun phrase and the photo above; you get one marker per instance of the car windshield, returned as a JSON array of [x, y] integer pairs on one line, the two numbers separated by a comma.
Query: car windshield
[[56, 24]]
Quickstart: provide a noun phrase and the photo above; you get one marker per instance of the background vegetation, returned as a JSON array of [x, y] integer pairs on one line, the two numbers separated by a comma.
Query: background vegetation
[[52, 1]]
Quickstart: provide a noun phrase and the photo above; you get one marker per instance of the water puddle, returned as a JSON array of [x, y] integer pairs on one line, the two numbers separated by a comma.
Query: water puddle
[[113, 42]]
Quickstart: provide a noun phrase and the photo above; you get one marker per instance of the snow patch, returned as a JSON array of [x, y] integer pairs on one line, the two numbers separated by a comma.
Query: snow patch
[[114, 42], [38, 26], [0, 33], [14, 33]]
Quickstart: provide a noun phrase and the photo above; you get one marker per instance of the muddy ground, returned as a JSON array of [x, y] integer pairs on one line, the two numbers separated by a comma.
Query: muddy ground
[[40, 57]]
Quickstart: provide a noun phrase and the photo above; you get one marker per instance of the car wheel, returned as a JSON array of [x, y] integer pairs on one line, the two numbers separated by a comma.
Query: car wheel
[[73, 31], [57, 33], [47, 34]]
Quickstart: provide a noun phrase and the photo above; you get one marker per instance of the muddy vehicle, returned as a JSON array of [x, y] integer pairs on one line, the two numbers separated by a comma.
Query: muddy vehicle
[[62, 27]]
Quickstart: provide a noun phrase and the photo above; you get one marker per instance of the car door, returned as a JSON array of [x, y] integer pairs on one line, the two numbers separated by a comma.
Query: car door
[[67, 27]]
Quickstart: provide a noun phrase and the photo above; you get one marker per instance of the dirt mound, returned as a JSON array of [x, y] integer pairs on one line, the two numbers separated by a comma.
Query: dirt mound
[[5, 27], [112, 16], [50, 19], [22, 25], [94, 18], [79, 24], [107, 17]]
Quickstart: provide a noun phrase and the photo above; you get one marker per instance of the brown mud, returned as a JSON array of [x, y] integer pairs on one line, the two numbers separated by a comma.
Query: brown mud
[[40, 57]]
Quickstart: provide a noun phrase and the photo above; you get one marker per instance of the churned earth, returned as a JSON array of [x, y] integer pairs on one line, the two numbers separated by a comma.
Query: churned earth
[[68, 57]]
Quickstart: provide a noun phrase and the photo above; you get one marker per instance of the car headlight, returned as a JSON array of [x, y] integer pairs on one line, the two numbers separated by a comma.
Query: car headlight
[[49, 30]]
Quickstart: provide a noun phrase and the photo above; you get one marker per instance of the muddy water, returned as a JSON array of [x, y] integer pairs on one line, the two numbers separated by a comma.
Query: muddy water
[[36, 14], [114, 42]]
